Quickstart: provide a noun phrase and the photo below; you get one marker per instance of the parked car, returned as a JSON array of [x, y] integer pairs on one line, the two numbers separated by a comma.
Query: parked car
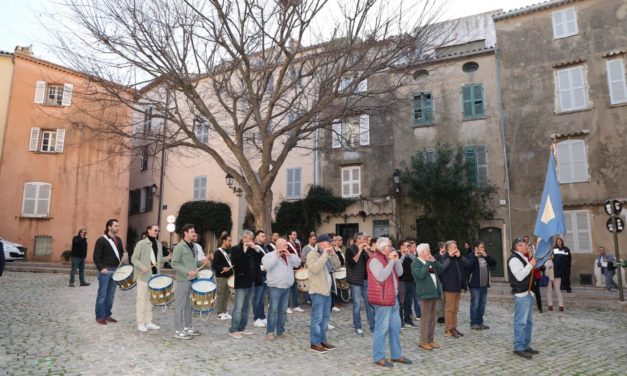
[[13, 251]]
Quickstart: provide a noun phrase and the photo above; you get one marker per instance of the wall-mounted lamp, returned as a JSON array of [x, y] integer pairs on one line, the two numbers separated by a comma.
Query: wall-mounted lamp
[[230, 182], [397, 180]]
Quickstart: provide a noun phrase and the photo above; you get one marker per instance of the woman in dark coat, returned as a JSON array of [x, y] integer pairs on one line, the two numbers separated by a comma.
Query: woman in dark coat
[[561, 264]]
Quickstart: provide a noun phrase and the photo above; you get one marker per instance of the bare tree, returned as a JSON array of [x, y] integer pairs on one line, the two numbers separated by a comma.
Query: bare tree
[[261, 75]]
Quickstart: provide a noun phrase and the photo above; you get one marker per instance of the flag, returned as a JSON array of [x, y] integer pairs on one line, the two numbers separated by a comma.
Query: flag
[[550, 221]]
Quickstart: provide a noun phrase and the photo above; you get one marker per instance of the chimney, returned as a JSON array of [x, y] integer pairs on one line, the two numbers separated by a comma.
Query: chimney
[[24, 50]]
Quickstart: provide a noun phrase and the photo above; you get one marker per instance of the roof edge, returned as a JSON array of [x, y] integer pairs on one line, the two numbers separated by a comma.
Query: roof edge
[[532, 9]]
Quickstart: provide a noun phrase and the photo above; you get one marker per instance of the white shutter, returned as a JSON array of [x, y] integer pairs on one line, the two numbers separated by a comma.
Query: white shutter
[[584, 238], [569, 238], [616, 81], [346, 184], [579, 162], [34, 139], [364, 130], [363, 85], [578, 88], [40, 91], [356, 182], [296, 182], [563, 84], [67, 95], [30, 199], [43, 200], [336, 134], [60, 141], [570, 21], [558, 24], [563, 163], [482, 165]]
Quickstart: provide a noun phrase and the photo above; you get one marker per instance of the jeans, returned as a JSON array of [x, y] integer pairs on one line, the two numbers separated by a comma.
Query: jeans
[[360, 294], [320, 315], [78, 263], [523, 321], [387, 324], [106, 294], [259, 298], [416, 302], [277, 309], [409, 292], [294, 295], [609, 278], [478, 297], [240, 309]]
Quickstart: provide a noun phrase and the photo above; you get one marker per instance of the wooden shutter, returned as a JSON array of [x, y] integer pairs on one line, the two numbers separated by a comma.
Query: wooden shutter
[[578, 87], [346, 184], [67, 95], [58, 147], [579, 163], [427, 108], [558, 24], [564, 173], [336, 134], [34, 139], [569, 237], [564, 90], [29, 200], [616, 81], [467, 101], [364, 130], [583, 236], [43, 200], [356, 181], [477, 94], [470, 158], [40, 92], [482, 165]]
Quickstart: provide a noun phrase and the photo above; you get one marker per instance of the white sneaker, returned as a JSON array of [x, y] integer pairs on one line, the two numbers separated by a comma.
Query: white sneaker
[[223, 316], [329, 326], [265, 322], [359, 333], [142, 328], [152, 326], [191, 332], [259, 324], [289, 310], [298, 309], [335, 309], [228, 316], [181, 335]]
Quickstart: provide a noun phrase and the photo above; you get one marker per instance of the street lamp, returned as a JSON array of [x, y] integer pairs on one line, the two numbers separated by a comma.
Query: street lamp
[[397, 180], [230, 182], [154, 189]]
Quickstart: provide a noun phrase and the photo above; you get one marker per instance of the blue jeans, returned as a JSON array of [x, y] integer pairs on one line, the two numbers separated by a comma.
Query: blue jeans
[[241, 305], [277, 309], [320, 315], [294, 295], [78, 263], [360, 294], [409, 298], [259, 297], [609, 278], [478, 297], [106, 294], [523, 321], [387, 324]]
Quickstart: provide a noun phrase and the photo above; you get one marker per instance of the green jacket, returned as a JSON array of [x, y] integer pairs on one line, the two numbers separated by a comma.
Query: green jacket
[[183, 261], [141, 257], [424, 284]]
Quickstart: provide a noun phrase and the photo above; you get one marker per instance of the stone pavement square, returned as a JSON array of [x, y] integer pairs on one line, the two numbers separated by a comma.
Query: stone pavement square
[[47, 328]]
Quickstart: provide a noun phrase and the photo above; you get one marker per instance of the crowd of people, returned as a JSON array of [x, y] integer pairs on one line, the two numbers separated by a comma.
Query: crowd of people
[[395, 287]]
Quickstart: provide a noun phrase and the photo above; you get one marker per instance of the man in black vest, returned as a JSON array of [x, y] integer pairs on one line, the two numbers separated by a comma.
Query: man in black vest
[[520, 272], [108, 255]]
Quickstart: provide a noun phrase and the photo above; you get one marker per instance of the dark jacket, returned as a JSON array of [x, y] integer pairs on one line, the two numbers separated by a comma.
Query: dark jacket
[[244, 266], [356, 271], [407, 276], [259, 275], [453, 275], [561, 262], [425, 289], [219, 262], [474, 279], [79, 247], [104, 256]]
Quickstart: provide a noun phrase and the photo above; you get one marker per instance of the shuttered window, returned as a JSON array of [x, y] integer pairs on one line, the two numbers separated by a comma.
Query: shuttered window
[[46, 140], [476, 159], [564, 23], [364, 130], [336, 134], [201, 130], [200, 188], [616, 81], [571, 87], [472, 101], [53, 94], [578, 235], [294, 176], [572, 161], [351, 133], [36, 200], [351, 181], [423, 109]]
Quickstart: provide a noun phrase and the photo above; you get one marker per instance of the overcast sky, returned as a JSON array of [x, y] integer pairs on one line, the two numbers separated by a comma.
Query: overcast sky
[[21, 20]]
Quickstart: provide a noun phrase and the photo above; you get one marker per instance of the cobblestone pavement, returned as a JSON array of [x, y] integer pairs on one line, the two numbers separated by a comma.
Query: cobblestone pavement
[[49, 328]]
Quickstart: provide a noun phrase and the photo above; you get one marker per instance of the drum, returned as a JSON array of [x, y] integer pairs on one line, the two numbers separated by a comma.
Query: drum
[[203, 296], [124, 277], [231, 283], [205, 274], [302, 279], [161, 290], [340, 278]]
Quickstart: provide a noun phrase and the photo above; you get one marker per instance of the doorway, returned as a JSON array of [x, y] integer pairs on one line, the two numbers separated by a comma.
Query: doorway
[[493, 240], [346, 230]]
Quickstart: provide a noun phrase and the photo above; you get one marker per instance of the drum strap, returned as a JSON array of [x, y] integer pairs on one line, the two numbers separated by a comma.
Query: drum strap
[[226, 257], [115, 248]]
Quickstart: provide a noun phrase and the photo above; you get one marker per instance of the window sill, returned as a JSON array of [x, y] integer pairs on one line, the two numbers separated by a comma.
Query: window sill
[[52, 105], [46, 152], [474, 118], [614, 105], [422, 125], [575, 111], [564, 36], [33, 217], [293, 198], [574, 182]]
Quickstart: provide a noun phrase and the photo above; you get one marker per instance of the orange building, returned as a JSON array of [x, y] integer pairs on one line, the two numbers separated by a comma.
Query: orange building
[[57, 172]]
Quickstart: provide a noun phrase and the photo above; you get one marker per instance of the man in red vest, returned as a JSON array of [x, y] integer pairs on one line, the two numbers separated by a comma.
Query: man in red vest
[[384, 268]]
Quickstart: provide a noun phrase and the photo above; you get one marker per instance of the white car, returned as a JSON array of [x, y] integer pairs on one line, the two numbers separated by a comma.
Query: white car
[[13, 251]]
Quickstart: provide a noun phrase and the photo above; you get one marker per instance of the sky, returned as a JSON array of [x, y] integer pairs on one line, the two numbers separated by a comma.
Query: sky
[[21, 24]]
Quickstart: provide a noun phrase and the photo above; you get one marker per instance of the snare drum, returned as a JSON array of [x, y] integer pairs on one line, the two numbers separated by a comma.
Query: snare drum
[[203, 296], [161, 290], [205, 274], [231, 283], [124, 277], [340, 278], [302, 279]]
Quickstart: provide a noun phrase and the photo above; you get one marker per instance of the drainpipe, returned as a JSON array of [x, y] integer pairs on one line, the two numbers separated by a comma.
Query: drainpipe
[[505, 156], [316, 166], [163, 159]]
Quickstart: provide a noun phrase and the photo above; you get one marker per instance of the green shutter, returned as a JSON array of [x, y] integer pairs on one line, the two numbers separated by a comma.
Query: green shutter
[[472, 101], [423, 109], [478, 99], [467, 101], [470, 157]]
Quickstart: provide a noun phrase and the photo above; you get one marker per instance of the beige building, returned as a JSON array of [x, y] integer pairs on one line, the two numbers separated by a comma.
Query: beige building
[[563, 67], [58, 176], [6, 78]]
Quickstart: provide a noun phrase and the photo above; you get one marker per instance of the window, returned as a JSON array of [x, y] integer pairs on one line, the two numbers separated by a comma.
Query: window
[[346, 82], [572, 161], [134, 201], [570, 84], [201, 130], [350, 133], [144, 158], [470, 67], [36, 201], [148, 120], [351, 181], [293, 182], [616, 81], [200, 188], [472, 101], [564, 23], [476, 159], [53, 94], [380, 228], [423, 109], [145, 204], [578, 236], [47, 140], [428, 156], [43, 245]]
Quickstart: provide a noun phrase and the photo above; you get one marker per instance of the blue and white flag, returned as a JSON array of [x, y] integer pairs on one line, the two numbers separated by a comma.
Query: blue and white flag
[[550, 221]]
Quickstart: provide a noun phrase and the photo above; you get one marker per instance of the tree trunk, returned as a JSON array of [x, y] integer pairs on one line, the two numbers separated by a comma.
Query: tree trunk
[[262, 211]]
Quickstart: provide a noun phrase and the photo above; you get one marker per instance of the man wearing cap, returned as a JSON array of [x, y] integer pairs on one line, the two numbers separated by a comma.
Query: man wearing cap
[[520, 271], [320, 264]]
